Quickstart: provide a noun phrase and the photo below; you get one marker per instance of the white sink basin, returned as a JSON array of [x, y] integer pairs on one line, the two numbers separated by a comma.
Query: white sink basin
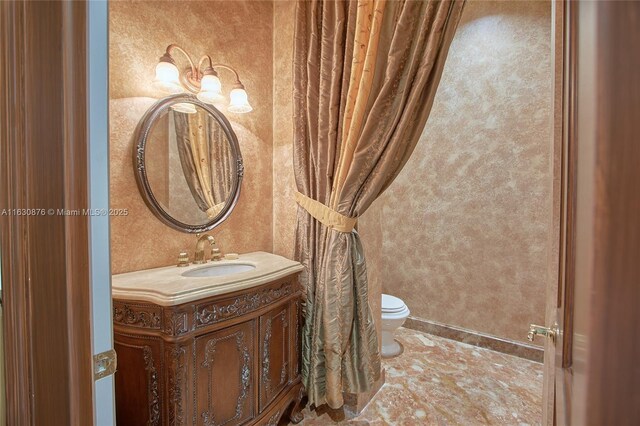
[[218, 270]]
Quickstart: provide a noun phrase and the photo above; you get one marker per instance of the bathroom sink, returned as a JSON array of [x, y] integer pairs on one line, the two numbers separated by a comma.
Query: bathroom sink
[[219, 270], [169, 285]]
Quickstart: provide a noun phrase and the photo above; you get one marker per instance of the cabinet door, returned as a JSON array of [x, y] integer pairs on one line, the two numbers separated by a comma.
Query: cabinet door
[[275, 342], [138, 381], [223, 364]]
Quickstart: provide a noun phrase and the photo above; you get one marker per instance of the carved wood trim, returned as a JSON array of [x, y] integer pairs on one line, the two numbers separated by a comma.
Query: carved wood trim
[[289, 400], [213, 312], [176, 323], [266, 361], [296, 411], [177, 373], [152, 387], [140, 316], [274, 419], [285, 341]]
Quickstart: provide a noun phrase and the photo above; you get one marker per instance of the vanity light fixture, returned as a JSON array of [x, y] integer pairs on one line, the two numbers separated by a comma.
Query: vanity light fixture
[[204, 82]]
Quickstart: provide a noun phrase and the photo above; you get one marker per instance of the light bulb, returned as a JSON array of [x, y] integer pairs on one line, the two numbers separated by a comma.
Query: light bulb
[[239, 101], [167, 76], [184, 107], [210, 90]]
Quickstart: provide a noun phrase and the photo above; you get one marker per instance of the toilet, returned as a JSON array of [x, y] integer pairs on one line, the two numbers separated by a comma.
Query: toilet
[[394, 314]]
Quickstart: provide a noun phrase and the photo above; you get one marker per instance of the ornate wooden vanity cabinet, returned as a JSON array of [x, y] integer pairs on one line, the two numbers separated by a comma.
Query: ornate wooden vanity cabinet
[[230, 359]]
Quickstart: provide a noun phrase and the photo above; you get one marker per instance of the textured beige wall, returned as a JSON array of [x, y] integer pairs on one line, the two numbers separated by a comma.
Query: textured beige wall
[[235, 32], [465, 226], [284, 206]]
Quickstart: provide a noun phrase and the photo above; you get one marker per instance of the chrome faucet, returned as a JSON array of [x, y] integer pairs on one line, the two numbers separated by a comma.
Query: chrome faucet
[[199, 256]]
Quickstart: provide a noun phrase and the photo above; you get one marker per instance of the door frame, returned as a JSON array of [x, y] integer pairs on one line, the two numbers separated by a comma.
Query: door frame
[[607, 122], [597, 378], [45, 256], [566, 271], [556, 257]]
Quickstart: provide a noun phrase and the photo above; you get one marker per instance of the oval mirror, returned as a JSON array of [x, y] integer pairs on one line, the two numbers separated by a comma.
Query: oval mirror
[[187, 163]]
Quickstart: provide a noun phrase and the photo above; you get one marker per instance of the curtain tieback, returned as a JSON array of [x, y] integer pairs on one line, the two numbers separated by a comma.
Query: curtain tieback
[[213, 211], [325, 215]]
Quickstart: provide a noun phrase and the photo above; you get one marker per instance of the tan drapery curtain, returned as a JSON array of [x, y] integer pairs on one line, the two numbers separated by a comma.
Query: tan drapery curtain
[[365, 76], [205, 159], [221, 159]]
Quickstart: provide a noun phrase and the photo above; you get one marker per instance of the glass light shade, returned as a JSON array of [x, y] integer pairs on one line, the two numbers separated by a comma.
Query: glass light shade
[[167, 76], [184, 107], [210, 90], [239, 101]]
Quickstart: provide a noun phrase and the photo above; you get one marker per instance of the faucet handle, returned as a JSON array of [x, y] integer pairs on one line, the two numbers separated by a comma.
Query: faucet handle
[[216, 254], [183, 259]]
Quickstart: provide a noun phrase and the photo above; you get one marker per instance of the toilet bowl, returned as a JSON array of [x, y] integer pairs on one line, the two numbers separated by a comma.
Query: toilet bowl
[[394, 314]]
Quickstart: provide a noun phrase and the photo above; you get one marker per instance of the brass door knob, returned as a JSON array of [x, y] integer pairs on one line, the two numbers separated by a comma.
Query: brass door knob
[[538, 330]]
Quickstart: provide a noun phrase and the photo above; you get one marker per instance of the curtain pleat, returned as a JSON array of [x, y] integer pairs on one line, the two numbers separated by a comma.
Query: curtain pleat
[[186, 154], [220, 160]]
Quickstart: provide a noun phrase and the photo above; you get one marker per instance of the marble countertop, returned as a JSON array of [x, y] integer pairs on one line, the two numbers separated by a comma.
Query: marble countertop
[[167, 287]]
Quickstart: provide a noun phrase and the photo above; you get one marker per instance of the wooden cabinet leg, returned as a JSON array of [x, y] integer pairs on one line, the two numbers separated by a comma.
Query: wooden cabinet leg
[[296, 415]]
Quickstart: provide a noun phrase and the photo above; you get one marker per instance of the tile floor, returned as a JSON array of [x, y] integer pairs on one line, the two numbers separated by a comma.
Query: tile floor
[[437, 381]]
